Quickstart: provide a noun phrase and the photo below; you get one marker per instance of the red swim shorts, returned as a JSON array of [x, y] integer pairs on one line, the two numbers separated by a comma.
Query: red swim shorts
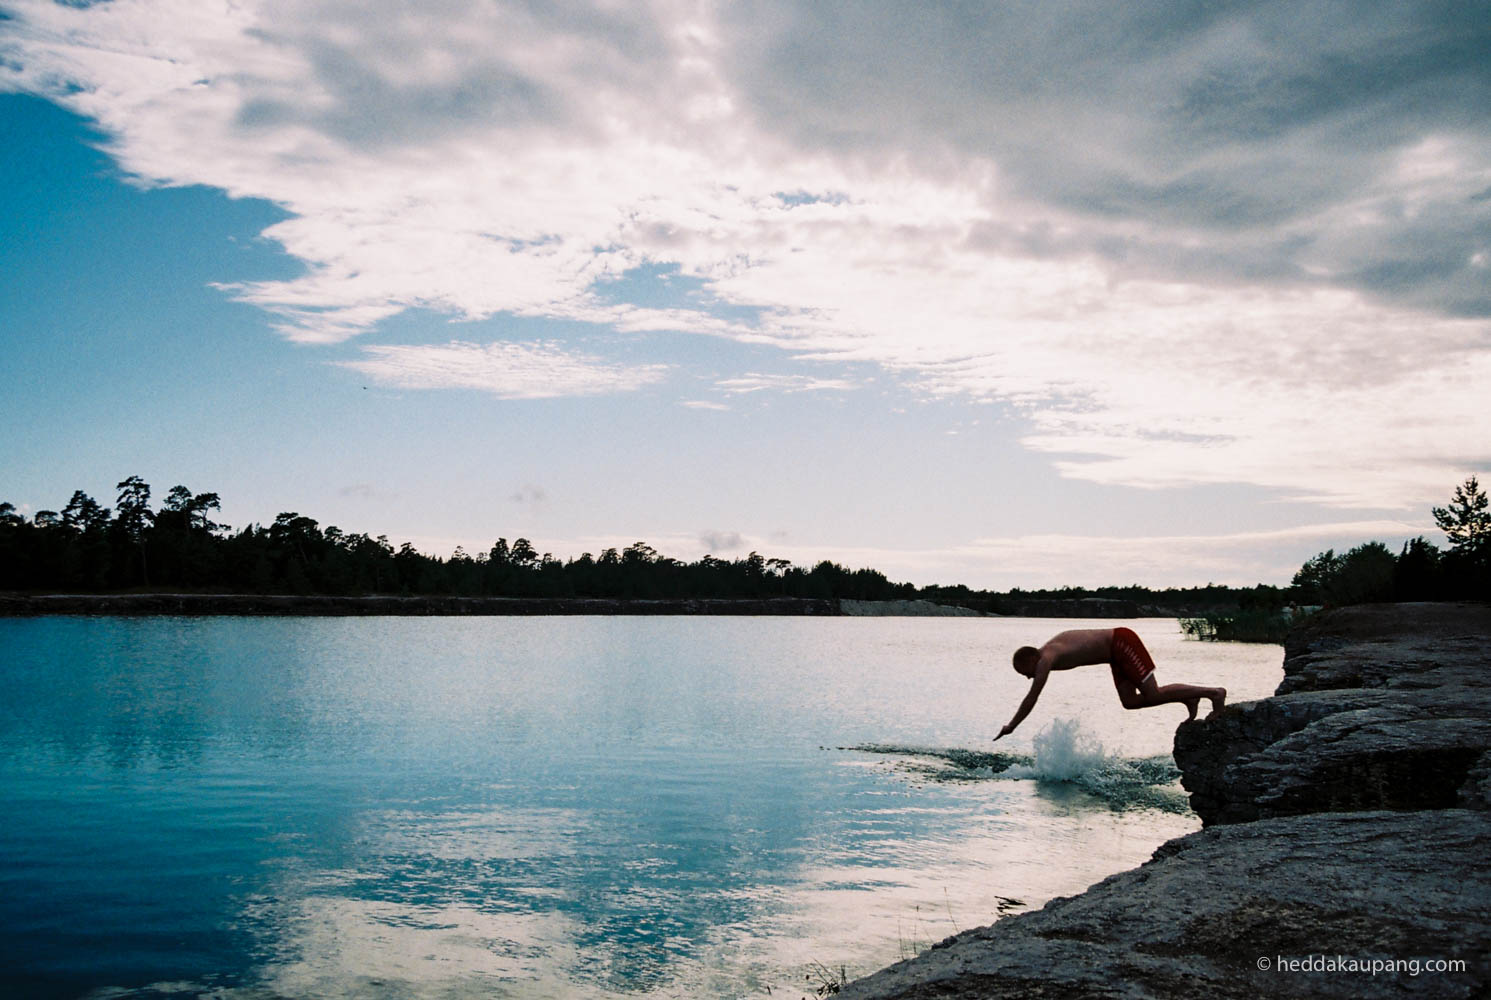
[[1130, 660]]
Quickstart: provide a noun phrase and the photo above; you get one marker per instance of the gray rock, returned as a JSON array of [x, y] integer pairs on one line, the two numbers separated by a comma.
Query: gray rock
[[1396, 646], [1405, 735], [1475, 793], [1197, 920]]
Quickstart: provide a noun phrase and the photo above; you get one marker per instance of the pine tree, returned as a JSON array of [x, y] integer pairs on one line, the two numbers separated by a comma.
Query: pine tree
[[1466, 520]]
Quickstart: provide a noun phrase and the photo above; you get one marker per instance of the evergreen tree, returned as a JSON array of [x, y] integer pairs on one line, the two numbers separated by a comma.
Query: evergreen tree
[[1467, 523], [132, 516], [1466, 520]]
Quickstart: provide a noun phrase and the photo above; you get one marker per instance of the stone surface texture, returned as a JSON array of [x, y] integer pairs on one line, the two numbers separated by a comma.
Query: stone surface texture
[[1381, 707]]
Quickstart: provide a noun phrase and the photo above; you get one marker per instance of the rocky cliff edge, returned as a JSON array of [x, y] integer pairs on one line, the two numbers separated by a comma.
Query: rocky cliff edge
[[1347, 849]]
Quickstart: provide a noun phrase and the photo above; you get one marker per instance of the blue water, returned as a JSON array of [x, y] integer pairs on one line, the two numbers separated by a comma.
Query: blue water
[[537, 807]]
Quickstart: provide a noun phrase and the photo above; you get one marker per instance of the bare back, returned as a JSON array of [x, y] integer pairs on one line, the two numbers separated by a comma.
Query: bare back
[[1133, 671], [1077, 647]]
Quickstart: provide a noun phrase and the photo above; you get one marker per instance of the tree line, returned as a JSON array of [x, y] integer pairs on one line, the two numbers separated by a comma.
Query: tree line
[[88, 548]]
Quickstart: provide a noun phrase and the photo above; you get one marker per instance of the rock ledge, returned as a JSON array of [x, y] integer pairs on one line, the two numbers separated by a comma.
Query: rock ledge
[[1346, 836]]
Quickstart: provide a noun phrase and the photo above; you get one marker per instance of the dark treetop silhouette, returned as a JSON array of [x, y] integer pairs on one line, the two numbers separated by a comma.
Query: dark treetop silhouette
[[89, 548]]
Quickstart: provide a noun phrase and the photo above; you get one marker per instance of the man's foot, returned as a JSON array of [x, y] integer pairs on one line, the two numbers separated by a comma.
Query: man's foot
[[1191, 704], [1218, 700]]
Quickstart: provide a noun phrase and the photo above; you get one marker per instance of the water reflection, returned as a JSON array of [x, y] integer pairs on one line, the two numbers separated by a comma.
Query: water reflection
[[561, 807], [504, 904]]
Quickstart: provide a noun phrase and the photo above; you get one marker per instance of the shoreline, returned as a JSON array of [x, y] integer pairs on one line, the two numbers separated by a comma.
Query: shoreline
[[1345, 825], [23, 605], [141, 605]]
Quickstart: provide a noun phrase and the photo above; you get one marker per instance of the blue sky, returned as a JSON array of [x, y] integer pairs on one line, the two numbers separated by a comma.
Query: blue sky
[[1025, 295]]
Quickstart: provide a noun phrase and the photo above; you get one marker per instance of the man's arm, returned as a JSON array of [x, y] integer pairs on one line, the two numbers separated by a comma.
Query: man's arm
[[1042, 671]]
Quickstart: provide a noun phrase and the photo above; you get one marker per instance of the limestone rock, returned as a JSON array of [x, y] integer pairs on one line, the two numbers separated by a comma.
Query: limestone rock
[[1381, 707], [1395, 646], [1199, 919]]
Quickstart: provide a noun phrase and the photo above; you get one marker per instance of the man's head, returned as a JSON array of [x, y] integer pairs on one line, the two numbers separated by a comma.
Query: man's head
[[1025, 659]]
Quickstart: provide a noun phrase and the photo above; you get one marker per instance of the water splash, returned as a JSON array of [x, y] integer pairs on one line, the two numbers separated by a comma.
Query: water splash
[[1065, 755], [1068, 755]]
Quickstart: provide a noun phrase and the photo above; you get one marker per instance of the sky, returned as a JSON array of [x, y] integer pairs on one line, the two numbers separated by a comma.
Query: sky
[[1006, 294]]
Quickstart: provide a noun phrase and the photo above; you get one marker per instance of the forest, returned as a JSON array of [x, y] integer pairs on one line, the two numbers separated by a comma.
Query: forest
[[90, 548], [179, 547]]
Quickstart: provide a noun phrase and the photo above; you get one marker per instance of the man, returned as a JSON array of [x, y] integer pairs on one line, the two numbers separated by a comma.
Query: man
[[1120, 648]]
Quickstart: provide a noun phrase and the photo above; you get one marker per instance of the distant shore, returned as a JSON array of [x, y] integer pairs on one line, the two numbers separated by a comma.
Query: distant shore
[[26, 605], [907, 609], [15, 605]]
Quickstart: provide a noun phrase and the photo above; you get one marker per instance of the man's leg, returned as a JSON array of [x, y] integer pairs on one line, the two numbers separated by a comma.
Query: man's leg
[[1133, 675], [1148, 693]]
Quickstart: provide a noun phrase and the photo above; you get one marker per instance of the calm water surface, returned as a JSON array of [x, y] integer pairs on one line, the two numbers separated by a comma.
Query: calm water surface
[[536, 807]]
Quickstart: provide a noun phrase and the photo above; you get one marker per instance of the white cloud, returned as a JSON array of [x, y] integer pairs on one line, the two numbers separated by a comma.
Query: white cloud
[[510, 371], [1180, 255], [754, 382]]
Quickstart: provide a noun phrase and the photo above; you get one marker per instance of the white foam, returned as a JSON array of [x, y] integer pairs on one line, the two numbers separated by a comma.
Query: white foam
[[1066, 754], [1063, 752]]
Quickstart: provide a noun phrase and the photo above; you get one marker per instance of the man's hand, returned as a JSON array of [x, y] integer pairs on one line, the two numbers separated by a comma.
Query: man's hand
[[1003, 732]]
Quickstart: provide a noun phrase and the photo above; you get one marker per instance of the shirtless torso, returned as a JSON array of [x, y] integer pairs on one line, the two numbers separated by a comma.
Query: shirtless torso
[[1077, 647]]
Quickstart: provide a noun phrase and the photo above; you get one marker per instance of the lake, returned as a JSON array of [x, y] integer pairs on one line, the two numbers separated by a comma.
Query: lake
[[552, 807]]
